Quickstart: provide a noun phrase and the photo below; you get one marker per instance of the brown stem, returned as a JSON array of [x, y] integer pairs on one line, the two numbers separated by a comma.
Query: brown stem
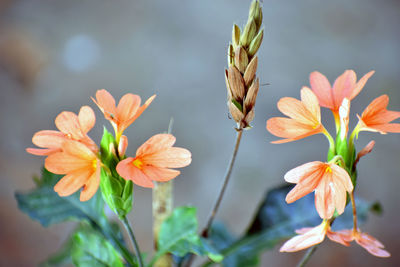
[[353, 205]]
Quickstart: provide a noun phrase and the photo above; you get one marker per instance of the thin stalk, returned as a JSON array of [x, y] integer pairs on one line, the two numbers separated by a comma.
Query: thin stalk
[[307, 256], [133, 239], [353, 205], [228, 173]]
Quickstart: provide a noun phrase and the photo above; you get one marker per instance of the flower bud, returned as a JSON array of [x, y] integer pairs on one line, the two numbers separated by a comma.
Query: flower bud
[[255, 43], [241, 59], [249, 32]]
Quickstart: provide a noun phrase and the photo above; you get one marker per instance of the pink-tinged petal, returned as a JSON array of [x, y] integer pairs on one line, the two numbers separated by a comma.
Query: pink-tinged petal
[[360, 85], [343, 87], [62, 163], [338, 238], [79, 150], [340, 174], [372, 245], [91, 185], [322, 89], [339, 195], [173, 157], [126, 109], [141, 109], [383, 117], [160, 174], [155, 144], [310, 101], [387, 128], [72, 182], [127, 170], [289, 128], [298, 173], [378, 105], [49, 139], [296, 110], [86, 118], [68, 123], [106, 102], [313, 237], [324, 198], [42, 151], [303, 230], [318, 130], [123, 145]]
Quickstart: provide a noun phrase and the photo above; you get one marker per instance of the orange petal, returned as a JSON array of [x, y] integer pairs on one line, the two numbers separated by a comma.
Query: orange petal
[[310, 101], [160, 174], [68, 123], [141, 109], [322, 89], [302, 171], [342, 176], [62, 163], [72, 182], [360, 85], [289, 128], [173, 157], [106, 103], [79, 150], [379, 104], [91, 185], [126, 110], [127, 170], [372, 245], [42, 152], [296, 110], [313, 237], [156, 143], [49, 139], [343, 87], [86, 118], [325, 197]]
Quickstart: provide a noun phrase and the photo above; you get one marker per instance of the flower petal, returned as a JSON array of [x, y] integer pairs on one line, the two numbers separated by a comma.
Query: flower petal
[[322, 89], [141, 109], [298, 173], [91, 185], [372, 245], [68, 123], [338, 238], [42, 152], [155, 144], [86, 118], [296, 110], [62, 163], [310, 101], [79, 150], [126, 110], [72, 182], [289, 129], [160, 174], [173, 157], [324, 197], [360, 85], [127, 170], [343, 87], [49, 139], [313, 237], [106, 102]]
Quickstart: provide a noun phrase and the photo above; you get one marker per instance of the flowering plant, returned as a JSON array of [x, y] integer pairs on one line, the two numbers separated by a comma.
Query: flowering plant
[[93, 182]]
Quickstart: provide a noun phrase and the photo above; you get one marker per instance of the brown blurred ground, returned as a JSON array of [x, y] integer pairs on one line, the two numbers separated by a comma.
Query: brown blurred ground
[[55, 54]]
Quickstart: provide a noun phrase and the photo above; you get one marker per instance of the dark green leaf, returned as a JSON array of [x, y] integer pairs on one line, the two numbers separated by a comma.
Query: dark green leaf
[[90, 248], [178, 235]]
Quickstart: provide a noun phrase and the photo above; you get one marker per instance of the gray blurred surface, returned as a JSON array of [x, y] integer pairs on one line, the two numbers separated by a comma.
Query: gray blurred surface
[[177, 49]]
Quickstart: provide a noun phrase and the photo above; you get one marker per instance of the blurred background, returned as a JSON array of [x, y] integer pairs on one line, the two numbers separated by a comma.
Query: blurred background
[[54, 55]]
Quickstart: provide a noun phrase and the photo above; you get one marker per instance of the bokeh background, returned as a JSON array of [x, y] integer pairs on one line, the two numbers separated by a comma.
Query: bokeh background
[[54, 55]]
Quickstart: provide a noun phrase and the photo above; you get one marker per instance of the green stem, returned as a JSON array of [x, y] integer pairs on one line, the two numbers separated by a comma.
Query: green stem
[[133, 239], [307, 256]]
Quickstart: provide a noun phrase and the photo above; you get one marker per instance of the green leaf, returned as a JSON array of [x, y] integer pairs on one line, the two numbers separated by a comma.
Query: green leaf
[[275, 221], [90, 248], [178, 235], [44, 205]]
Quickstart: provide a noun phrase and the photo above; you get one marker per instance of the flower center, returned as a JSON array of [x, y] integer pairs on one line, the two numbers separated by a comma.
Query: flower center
[[138, 163], [328, 169], [94, 164]]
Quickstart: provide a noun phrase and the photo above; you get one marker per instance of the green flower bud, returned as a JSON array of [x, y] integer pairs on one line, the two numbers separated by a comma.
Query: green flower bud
[[255, 43], [249, 32]]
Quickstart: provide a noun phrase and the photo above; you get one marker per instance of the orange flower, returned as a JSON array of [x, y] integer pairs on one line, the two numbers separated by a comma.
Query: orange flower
[[329, 181], [371, 244], [345, 86], [376, 117], [309, 237], [71, 126], [305, 118], [81, 166], [123, 115], [153, 160]]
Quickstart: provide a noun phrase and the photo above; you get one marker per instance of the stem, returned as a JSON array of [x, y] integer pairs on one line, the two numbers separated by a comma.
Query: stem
[[307, 256], [133, 239], [228, 172], [353, 205]]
